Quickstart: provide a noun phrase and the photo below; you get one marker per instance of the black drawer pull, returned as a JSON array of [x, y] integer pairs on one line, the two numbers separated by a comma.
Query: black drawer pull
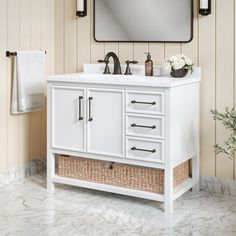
[[90, 118], [80, 116], [143, 126], [143, 150], [148, 103]]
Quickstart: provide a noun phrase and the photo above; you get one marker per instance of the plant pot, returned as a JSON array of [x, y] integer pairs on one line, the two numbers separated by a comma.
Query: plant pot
[[179, 73]]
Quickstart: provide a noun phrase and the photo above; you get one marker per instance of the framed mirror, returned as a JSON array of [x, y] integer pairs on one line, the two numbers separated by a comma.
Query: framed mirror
[[143, 20]]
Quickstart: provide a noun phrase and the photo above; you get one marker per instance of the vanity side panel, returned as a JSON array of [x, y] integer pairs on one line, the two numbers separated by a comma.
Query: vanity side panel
[[185, 122]]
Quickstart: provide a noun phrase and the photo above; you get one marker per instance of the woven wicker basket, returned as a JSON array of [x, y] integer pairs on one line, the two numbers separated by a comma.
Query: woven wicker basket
[[122, 175]]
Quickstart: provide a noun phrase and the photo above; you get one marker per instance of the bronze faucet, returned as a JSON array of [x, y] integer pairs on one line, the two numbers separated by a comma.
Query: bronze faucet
[[117, 67]]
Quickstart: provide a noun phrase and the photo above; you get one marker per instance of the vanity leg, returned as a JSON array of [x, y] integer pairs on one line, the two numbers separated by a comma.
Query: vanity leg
[[50, 186], [50, 172], [195, 174], [196, 158], [169, 206], [196, 188], [169, 189]]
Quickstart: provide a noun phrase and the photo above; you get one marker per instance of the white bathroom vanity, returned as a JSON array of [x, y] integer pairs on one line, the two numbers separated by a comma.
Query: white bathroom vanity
[[150, 122]]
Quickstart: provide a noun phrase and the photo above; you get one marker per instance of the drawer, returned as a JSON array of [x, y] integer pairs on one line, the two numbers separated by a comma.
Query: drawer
[[145, 102], [145, 126], [145, 149]]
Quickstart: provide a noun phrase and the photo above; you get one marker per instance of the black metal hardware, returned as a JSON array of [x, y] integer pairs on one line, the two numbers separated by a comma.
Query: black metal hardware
[[143, 126], [110, 165], [9, 54], [90, 118], [106, 70], [80, 116], [143, 150], [127, 70], [205, 11], [148, 103], [84, 12], [13, 54]]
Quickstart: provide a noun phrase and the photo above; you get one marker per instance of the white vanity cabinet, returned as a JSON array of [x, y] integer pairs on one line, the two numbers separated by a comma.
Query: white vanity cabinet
[[134, 120], [88, 120]]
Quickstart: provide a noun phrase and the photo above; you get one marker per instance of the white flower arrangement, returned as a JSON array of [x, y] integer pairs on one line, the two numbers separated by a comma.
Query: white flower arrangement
[[178, 62]]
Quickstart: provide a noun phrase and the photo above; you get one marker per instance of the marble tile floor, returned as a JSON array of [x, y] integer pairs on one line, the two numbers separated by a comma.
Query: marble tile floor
[[27, 209]]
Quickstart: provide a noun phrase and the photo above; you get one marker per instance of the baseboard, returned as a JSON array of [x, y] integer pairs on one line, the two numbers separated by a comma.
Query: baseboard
[[218, 185], [23, 171]]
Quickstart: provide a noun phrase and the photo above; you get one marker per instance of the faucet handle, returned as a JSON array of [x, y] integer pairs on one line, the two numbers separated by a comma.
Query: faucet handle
[[131, 62], [103, 61], [106, 70], [128, 70]]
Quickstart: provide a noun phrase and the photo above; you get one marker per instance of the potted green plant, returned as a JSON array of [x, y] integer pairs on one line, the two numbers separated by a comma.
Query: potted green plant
[[228, 119]]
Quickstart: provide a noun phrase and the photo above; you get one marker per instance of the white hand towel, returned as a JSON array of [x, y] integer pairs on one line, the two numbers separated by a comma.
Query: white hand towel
[[29, 82]]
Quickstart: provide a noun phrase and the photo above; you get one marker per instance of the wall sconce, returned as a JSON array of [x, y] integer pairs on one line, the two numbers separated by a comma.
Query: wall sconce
[[81, 8], [205, 7]]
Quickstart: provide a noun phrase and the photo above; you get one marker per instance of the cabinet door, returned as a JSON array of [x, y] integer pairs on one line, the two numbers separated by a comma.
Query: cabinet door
[[105, 122], [68, 121]]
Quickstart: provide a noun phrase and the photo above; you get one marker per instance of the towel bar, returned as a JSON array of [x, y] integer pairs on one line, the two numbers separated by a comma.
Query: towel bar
[[9, 54]]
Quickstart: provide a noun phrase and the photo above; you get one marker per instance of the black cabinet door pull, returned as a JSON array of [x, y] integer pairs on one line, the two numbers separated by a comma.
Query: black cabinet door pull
[[90, 118], [80, 105], [143, 126], [143, 150]]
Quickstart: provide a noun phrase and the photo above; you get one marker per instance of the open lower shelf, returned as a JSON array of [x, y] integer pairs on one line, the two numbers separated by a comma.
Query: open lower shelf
[[178, 191], [108, 188], [182, 188]]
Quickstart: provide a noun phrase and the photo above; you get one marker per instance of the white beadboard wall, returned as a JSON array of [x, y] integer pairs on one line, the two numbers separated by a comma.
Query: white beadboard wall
[[213, 48], [24, 25]]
